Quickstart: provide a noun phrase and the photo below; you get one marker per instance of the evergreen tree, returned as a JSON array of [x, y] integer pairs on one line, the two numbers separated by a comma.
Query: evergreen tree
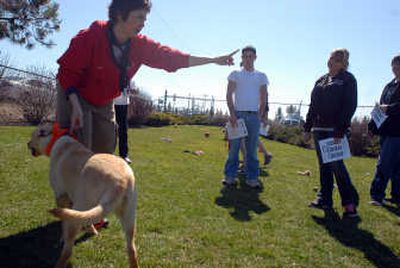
[[27, 22], [279, 115], [291, 109]]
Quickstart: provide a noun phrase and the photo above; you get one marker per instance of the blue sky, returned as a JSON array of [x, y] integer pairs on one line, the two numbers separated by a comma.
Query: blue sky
[[293, 40]]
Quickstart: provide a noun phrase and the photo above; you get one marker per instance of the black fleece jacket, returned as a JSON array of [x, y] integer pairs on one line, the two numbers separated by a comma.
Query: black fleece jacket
[[333, 103], [391, 97]]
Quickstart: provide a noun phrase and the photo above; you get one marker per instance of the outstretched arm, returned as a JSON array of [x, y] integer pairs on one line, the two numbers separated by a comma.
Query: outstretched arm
[[221, 60]]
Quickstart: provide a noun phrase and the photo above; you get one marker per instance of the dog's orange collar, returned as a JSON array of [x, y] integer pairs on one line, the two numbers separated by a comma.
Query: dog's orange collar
[[57, 133]]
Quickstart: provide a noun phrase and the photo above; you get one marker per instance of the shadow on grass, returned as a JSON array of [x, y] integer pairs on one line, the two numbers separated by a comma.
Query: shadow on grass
[[392, 208], [242, 199], [346, 231], [36, 248]]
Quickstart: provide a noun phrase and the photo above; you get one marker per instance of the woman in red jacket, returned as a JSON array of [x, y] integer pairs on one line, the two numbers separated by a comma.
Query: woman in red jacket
[[99, 63]]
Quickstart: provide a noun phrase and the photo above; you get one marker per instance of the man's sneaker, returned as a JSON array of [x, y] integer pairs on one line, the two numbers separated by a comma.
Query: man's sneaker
[[318, 204], [229, 181], [103, 223], [267, 158], [350, 211], [374, 202], [242, 169], [127, 160], [253, 183]]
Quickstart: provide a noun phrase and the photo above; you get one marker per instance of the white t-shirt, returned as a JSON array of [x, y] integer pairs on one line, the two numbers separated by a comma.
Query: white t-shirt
[[247, 92], [122, 99]]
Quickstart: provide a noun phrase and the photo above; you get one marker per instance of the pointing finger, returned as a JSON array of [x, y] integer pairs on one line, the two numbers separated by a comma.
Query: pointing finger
[[233, 53]]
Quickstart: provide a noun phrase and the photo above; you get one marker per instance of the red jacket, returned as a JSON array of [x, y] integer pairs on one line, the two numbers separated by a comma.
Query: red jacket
[[88, 63]]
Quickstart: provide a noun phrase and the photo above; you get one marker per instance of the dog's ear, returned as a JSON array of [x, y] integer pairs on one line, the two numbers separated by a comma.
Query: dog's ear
[[45, 130]]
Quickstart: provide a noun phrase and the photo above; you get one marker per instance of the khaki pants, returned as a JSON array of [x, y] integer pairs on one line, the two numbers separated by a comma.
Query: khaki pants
[[99, 132]]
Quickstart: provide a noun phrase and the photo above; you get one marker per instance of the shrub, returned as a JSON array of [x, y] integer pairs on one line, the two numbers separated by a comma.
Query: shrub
[[360, 142], [38, 101], [287, 134], [217, 120], [197, 119], [139, 109], [160, 119]]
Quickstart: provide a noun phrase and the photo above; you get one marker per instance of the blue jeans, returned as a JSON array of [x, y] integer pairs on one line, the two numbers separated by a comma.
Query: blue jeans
[[388, 167], [252, 122], [348, 192]]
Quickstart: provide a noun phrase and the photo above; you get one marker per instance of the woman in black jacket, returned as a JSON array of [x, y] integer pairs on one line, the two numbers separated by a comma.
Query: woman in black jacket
[[388, 165], [333, 103]]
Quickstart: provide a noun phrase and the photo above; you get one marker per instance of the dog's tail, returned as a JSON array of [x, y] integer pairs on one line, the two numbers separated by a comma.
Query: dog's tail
[[88, 216], [93, 215]]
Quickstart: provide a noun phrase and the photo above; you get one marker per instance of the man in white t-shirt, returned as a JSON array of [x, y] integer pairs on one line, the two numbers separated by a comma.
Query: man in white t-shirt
[[246, 95]]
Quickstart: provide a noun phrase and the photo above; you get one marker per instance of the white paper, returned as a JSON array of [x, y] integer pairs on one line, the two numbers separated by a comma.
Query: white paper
[[236, 132], [331, 151], [378, 116], [264, 130]]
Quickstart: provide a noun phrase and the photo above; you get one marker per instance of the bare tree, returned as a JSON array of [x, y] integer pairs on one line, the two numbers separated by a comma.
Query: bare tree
[[38, 100], [28, 21]]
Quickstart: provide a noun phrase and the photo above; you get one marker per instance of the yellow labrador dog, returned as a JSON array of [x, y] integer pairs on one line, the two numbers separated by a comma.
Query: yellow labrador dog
[[93, 184]]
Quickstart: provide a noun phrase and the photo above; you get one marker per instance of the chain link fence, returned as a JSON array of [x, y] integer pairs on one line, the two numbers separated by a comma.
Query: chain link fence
[[26, 97]]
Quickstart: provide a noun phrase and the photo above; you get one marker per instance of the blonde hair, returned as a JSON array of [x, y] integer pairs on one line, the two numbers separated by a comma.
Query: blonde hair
[[343, 54]]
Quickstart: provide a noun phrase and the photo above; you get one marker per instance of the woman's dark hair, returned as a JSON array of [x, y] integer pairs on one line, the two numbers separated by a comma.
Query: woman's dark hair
[[249, 48], [124, 7], [396, 60]]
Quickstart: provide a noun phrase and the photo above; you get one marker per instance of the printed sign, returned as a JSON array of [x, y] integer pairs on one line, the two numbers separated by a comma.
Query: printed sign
[[331, 151], [264, 130], [378, 116], [236, 132]]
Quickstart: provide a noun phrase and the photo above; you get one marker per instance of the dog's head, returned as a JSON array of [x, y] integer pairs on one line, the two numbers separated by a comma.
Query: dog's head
[[40, 138]]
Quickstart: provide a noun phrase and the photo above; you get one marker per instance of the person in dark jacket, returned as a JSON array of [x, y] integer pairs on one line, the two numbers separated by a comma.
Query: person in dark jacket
[[388, 166], [333, 103]]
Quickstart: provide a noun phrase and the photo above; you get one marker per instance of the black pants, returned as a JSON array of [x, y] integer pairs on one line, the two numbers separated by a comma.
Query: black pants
[[121, 114], [348, 192]]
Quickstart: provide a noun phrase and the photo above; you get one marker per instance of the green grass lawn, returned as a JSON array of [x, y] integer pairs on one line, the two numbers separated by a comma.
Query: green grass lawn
[[185, 220]]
